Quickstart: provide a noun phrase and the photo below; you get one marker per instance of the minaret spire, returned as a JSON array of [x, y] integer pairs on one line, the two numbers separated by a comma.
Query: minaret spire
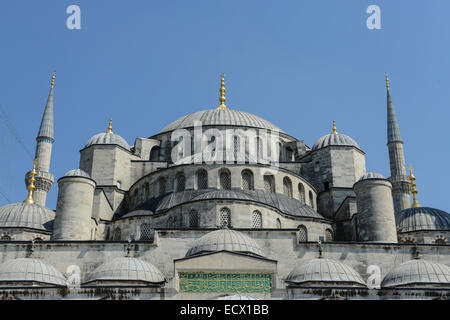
[[45, 139], [399, 179], [222, 90]]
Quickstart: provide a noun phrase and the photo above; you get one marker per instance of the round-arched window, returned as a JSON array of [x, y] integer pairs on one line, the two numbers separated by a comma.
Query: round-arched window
[[225, 218], [287, 187], [202, 179], [302, 233], [225, 180], [247, 180], [194, 219], [146, 232], [257, 220]]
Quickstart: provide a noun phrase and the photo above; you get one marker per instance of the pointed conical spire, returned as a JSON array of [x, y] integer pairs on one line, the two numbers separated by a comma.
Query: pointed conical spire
[[393, 127], [46, 128]]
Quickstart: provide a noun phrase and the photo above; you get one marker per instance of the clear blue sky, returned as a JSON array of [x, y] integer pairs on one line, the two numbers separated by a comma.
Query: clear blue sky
[[298, 64]]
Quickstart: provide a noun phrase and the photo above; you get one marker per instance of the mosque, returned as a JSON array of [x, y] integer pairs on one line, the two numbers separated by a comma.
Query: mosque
[[222, 204]]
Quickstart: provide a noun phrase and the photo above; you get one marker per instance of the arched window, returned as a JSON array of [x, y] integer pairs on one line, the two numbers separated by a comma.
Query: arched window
[[302, 233], [257, 220], [161, 186], [180, 182], [278, 224], [225, 218], [301, 192], [225, 180], [5, 238], [37, 239], [117, 234], [247, 180], [259, 149], [194, 219], [269, 184], [311, 200], [328, 235], [146, 232], [202, 179], [154, 154], [287, 187]]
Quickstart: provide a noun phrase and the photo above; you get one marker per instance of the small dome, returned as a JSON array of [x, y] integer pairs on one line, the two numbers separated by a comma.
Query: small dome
[[216, 117], [335, 139], [372, 175], [422, 218], [26, 215], [108, 138], [77, 173], [127, 269], [30, 270], [225, 239], [324, 270], [238, 297], [417, 272], [223, 194]]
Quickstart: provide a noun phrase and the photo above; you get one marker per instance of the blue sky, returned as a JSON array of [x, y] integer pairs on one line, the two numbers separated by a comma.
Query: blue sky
[[298, 64]]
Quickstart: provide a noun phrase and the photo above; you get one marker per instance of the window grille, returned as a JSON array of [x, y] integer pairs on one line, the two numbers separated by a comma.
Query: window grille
[[180, 183], [269, 184], [225, 218], [225, 180], [247, 180], [202, 180], [257, 219], [194, 219], [146, 232], [302, 234], [287, 187]]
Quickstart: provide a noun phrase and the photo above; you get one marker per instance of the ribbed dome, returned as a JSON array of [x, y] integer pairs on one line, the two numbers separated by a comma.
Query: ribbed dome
[[77, 173], [26, 216], [127, 269], [238, 297], [223, 194], [371, 175], [221, 117], [422, 218], [30, 270], [324, 270], [225, 239], [417, 272], [335, 139], [107, 138]]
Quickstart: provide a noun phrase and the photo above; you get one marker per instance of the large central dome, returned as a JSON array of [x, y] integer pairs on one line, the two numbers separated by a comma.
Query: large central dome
[[225, 117]]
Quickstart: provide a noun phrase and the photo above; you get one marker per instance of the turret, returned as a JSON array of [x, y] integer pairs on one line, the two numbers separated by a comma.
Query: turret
[[45, 140], [399, 179]]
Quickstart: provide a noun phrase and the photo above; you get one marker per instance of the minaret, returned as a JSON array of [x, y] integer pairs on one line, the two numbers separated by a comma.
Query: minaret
[[44, 139], [399, 179]]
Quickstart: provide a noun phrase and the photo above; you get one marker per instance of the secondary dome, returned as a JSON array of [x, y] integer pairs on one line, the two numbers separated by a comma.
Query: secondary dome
[[30, 270], [25, 215], [417, 272], [225, 239], [335, 139], [422, 218], [126, 269], [324, 270], [108, 137], [77, 173], [217, 117], [372, 175]]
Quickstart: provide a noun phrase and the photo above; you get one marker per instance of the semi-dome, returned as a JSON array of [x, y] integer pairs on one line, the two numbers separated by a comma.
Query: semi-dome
[[417, 272], [27, 270], [225, 239], [422, 218], [25, 215], [219, 117], [126, 269], [77, 173], [372, 175], [223, 194], [335, 139], [108, 138], [324, 270]]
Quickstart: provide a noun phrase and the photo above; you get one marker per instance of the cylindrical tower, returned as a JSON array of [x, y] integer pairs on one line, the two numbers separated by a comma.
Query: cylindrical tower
[[74, 207], [375, 220]]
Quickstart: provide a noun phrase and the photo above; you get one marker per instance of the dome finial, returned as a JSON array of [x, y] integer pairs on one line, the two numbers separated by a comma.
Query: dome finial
[[110, 127], [387, 80], [31, 186], [334, 127], [53, 79], [222, 90], [414, 191]]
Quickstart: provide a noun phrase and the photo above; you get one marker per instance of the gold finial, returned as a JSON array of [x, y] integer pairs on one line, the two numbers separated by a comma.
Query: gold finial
[[387, 80], [31, 186], [110, 127], [53, 79], [334, 127], [222, 90], [414, 191]]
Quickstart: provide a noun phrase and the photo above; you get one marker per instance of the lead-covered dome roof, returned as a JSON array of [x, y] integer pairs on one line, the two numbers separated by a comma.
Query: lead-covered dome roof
[[107, 138], [417, 272], [334, 139], [126, 269], [422, 218], [25, 215], [225, 239], [324, 270], [372, 175], [32, 271], [216, 117], [77, 173]]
